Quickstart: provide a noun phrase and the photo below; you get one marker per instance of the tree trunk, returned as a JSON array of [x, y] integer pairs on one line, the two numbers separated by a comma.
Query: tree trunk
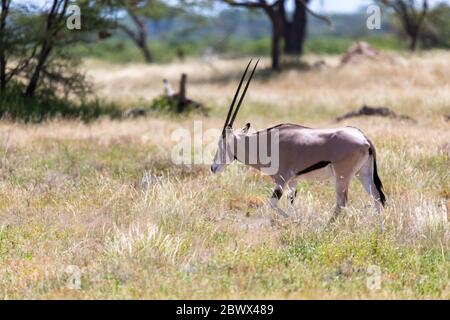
[[275, 52], [141, 36], [295, 31], [413, 42], [145, 51], [4, 14], [55, 19], [410, 19], [2, 67], [32, 85], [277, 32], [273, 13], [182, 94]]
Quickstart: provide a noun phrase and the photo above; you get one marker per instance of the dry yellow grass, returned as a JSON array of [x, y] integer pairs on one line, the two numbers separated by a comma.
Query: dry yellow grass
[[71, 194]]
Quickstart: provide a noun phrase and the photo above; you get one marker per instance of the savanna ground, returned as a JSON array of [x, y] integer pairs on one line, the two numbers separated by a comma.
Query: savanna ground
[[105, 197]]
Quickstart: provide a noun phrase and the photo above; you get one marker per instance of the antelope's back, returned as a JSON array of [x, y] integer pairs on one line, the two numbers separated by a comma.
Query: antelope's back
[[311, 145]]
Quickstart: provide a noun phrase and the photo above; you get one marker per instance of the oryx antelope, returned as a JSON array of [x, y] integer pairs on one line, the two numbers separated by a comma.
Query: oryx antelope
[[303, 153]]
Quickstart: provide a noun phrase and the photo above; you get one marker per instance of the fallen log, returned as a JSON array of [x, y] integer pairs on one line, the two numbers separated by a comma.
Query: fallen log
[[134, 113], [374, 111]]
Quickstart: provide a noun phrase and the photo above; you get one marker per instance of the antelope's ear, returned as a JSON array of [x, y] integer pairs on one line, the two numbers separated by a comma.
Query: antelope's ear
[[245, 128]]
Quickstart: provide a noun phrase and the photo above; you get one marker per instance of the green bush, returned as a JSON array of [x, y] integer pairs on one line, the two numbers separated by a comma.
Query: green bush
[[164, 105], [239, 46], [112, 50], [333, 45], [327, 45], [15, 106]]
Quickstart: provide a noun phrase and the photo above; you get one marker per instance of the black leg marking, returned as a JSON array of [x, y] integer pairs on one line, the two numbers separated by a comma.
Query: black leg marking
[[318, 165], [292, 196], [377, 180], [277, 193]]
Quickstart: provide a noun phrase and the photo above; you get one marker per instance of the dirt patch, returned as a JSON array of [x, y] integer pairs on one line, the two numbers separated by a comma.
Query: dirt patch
[[361, 51]]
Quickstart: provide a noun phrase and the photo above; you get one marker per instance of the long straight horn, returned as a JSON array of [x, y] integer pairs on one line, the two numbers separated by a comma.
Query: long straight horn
[[243, 95], [235, 96]]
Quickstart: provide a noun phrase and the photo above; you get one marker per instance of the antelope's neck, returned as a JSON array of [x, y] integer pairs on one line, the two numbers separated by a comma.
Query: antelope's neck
[[243, 152]]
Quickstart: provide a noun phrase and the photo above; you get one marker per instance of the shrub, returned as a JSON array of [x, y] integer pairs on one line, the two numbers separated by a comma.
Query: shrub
[[15, 106]]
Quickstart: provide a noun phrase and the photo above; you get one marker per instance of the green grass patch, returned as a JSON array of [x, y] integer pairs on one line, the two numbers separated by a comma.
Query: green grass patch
[[334, 45], [120, 50]]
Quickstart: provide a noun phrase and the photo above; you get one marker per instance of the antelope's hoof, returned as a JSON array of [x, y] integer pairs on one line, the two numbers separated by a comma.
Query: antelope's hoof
[[282, 214]]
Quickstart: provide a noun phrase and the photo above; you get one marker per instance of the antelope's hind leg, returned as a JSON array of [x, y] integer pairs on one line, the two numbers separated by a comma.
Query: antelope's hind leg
[[342, 184], [365, 176], [344, 172]]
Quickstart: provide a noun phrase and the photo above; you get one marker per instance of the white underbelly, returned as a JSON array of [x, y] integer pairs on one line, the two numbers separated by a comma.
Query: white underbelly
[[319, 174]]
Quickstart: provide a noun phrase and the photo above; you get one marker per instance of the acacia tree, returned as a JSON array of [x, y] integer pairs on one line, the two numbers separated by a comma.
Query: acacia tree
[[291, 31], [15, 51], [35, 45], [412, 15], [138, 12], [436, 31], [135, 11], [30, 49], [54, 23]]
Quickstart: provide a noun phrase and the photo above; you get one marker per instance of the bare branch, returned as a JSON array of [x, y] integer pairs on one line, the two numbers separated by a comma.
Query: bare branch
[[326, 19], [248, 4]]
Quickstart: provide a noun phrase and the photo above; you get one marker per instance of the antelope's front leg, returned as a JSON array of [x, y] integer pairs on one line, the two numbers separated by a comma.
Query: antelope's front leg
[[276, 195]]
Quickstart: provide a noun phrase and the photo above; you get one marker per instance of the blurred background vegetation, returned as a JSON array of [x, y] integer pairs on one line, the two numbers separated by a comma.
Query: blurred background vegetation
[[234, 32], [40, 57]]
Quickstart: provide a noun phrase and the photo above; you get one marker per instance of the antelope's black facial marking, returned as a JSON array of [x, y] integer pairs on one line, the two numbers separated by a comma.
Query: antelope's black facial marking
[[277, 193], [317, 166]]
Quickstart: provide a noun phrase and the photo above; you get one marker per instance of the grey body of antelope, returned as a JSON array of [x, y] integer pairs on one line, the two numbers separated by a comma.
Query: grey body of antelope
[[305, 153]]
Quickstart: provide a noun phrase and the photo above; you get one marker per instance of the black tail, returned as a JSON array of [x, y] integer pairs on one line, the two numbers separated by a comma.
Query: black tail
[[376, 179]]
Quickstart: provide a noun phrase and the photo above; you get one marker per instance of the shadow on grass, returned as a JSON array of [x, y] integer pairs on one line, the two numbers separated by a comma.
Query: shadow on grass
[[16, 107]]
